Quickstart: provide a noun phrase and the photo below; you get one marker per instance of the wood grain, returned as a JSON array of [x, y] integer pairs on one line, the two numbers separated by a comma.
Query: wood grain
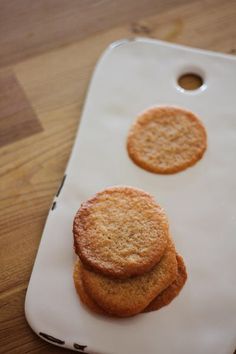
[[55, 84], [17, 118], [31, 27]]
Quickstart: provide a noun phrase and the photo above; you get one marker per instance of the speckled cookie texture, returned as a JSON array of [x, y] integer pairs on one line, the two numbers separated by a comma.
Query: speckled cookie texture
[[161, 300], [170, 293], [120, 232], [166, 140], [127, 297]]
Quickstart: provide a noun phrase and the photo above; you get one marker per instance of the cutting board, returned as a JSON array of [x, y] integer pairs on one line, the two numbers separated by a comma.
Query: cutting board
[[131, 76]]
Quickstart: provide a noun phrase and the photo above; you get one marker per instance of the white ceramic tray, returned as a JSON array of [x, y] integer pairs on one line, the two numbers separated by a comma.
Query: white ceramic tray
[[200, 202]]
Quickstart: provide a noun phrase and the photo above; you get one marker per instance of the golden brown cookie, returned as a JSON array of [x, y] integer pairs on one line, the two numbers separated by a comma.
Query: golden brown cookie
[[166, 140], [120, 232], [127, 297], [161, 300], [167, 295], [85, 298]]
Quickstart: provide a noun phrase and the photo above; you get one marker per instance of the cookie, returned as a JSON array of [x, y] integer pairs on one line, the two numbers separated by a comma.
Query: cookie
[[161, 300], [127, 297], [166, 140], [79, 286], [167, 295], [120, 232]]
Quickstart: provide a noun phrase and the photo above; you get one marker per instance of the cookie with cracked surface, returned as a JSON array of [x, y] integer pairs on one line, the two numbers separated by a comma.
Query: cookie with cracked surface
[[166, 140], [170, 293], [127, 297], [120, 232]]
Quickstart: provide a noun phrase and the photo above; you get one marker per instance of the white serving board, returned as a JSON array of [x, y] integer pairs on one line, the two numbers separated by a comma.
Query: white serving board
[[131, 76]]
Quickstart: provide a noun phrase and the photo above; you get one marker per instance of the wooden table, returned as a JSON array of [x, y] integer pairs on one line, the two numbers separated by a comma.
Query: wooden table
[[48, 51]]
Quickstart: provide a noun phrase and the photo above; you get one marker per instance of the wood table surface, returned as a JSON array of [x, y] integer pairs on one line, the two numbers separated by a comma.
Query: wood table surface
[[48, 52]]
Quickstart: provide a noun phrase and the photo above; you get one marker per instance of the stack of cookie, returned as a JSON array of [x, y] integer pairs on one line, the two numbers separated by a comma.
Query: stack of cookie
[[127, 260]]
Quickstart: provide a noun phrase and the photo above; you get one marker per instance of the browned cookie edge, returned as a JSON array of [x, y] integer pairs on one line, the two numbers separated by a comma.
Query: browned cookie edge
[[140, 121], [115, 308], [79, 286], [170, 293], [98, 266]]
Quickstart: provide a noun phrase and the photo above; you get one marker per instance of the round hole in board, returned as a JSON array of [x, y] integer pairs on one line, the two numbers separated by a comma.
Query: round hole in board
[[190, 81]]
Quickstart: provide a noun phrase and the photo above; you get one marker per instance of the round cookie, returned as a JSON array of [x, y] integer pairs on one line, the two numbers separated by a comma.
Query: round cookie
[[167, 295], [166, 140], [120, 232], [127, 297], [79, 286], [161, 300]]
